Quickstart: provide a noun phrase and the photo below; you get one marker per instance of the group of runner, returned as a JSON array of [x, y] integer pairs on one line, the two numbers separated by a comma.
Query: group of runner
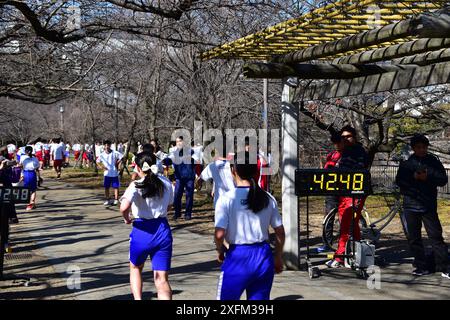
[[243, 213], [244, 208]]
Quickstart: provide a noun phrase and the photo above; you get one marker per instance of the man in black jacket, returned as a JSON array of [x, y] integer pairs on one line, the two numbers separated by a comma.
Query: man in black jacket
[[418, 179]]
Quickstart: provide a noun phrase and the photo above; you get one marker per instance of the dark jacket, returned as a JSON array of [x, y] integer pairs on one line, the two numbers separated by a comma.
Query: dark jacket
[[420, 195], [354, 158]]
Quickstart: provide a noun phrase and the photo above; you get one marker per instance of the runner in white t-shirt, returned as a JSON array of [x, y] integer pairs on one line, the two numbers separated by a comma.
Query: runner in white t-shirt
[[76, 151], [67, 153], [109, 160], [57, 153], [46, 148], [39, 151], [145, 205], [243, 217], [11, 151], [30, 174], [218, 171]]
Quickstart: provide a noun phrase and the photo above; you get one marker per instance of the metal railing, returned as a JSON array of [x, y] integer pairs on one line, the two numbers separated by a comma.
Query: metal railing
[[384, 175]]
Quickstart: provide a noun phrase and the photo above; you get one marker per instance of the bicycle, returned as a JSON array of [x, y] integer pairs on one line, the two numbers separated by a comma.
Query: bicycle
[[370, 230]]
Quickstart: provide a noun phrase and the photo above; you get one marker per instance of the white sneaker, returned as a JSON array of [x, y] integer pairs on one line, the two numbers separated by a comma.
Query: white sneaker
[[445, 275], [116, 202], [333, 264], [107, 203]]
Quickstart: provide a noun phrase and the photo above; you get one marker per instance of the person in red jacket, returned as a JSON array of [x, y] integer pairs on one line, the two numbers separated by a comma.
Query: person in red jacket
[[354, 157]]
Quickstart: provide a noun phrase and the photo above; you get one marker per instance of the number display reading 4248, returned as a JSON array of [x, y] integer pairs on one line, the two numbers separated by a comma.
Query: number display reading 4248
[[14, 194], [332, 182]]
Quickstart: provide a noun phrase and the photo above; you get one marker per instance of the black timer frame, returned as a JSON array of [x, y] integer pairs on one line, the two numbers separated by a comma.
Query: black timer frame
[[4, 219], [302, 176]]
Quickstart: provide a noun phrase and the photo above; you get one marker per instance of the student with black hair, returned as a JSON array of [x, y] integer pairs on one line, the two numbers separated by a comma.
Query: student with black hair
[[109, 160], [242, 218], [418, 179], [148, 200], [30, 174], [148, 148]]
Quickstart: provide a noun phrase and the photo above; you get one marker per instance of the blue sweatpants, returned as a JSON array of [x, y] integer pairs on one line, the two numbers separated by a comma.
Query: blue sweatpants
[[247, 268], [180, 186]]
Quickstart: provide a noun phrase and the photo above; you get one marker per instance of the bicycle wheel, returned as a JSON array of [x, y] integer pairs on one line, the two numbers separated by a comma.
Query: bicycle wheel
[[331, 230]]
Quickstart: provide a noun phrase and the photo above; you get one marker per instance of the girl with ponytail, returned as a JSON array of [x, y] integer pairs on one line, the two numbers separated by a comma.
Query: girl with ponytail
[[145, 205], [242, 218], [30, 174]]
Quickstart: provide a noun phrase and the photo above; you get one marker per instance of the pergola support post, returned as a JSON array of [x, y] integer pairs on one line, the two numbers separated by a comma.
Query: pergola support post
[[288, 166]]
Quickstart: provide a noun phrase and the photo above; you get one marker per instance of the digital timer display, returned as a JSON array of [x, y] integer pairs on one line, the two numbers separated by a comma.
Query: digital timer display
[[14, 194], [332, 182]]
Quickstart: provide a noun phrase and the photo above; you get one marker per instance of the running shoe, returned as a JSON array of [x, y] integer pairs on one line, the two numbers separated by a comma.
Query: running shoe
[[420, 272], [29, 207], [445, 275], [333, 264], [107, 203], [115, 202]]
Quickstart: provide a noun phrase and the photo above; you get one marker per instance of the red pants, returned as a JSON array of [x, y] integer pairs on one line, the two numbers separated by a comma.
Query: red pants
[[76, 154], [346, 209]]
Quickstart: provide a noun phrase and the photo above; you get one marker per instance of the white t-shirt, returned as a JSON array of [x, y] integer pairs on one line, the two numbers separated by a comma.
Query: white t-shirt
[[46, 147], [29, 164], [57, 151], [21, 151], [160, 155], [67, 147], [98, 150], [38, 146], [109, 162], [11, 148], [76, 147], [198, 154], [149, 208], [243, 225], [220, 172]]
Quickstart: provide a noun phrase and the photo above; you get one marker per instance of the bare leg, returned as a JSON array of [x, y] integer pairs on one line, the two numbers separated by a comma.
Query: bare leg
[[136, 281], [162, 285], [116, 194], [33, 198], [107, 193]]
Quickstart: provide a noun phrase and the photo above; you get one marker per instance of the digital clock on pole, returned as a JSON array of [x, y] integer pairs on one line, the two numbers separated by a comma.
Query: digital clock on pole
[[337, 182], [14, 195]]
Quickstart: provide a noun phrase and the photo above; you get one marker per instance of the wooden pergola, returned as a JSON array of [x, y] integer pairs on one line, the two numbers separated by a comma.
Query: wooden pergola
[[346, 48]]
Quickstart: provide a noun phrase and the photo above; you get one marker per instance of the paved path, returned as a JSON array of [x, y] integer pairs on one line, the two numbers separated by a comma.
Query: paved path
[[72, 230]]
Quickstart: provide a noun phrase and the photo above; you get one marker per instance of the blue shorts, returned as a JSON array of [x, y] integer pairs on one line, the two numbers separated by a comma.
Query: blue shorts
[[30, 180], [109, 182], [152, 238], [247, 268]]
